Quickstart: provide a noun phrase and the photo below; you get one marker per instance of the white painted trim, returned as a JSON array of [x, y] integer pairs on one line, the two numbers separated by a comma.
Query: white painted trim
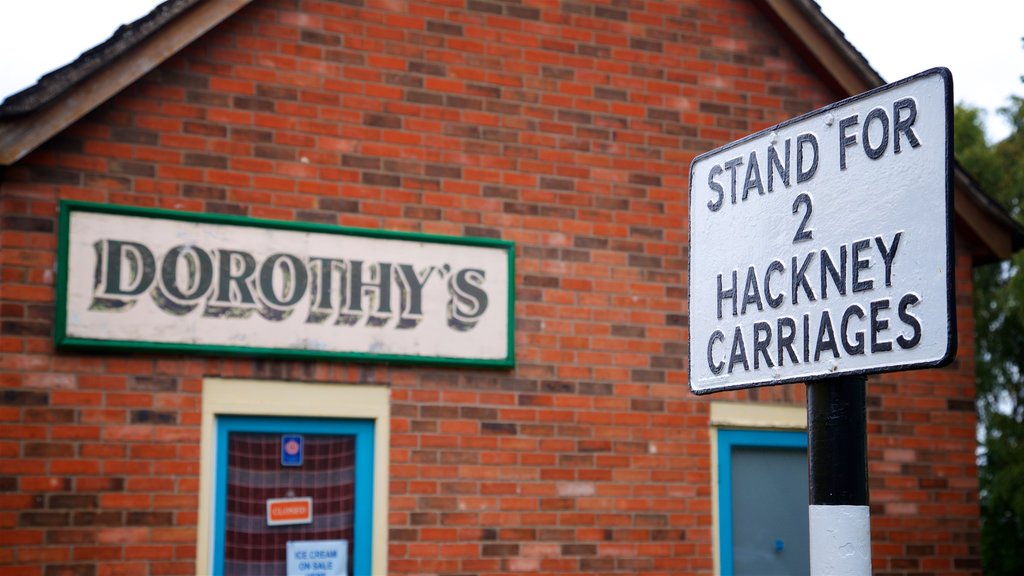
[[840, 540], [748, 417], [269, 398]]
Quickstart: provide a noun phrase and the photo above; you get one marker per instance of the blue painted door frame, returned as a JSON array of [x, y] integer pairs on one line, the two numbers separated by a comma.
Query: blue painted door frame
[[361, 430], [727, 440]]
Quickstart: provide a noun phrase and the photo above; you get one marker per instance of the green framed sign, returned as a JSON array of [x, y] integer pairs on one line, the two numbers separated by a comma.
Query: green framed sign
[[139, 279]]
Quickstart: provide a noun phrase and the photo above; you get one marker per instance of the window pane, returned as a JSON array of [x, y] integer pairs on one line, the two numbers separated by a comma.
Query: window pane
[[769, 497], [255, 474]]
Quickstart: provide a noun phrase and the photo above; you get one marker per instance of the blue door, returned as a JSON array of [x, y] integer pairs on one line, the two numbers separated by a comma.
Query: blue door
[[292, 483], [762, 479]]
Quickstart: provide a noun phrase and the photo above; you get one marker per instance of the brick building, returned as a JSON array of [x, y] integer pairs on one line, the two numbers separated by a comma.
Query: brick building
[[560, 437]]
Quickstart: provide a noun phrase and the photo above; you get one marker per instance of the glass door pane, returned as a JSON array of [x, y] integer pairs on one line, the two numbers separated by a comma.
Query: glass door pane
[[769, 505], [293, 495], [762, 491], [256, 475]]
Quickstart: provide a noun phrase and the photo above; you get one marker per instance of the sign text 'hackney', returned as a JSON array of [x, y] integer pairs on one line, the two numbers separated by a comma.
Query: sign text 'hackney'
[[822, 246], [232, 283]]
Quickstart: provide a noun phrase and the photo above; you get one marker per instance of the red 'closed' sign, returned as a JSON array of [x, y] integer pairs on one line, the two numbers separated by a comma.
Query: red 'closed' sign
[[285, 511]]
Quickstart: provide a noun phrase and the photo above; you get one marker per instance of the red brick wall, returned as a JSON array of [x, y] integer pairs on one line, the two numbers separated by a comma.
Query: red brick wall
[[922, 471], [567, 127]]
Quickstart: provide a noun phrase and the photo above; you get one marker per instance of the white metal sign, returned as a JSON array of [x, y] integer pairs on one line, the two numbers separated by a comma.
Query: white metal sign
[[146, 279], [823, 246]]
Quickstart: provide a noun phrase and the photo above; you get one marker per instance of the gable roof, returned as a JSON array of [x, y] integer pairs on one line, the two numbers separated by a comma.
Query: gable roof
[[52, 85], [33, 116], [36, 114], [841, 65]]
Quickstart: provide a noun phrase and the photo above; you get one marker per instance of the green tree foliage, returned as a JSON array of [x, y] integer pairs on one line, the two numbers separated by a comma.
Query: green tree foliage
[[999, 316]]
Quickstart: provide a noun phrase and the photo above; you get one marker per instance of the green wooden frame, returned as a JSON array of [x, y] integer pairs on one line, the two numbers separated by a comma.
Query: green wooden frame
[[63, 341]]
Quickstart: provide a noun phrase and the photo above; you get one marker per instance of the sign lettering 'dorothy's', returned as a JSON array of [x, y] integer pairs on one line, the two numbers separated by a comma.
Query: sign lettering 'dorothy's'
[[822, 246], [151, 278], [232, 283]]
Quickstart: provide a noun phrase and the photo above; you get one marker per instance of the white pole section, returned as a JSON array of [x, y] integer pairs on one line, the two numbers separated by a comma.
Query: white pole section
[[840, 540]]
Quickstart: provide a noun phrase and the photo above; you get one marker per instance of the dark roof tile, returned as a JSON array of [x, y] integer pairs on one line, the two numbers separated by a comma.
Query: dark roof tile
[[52, 85]]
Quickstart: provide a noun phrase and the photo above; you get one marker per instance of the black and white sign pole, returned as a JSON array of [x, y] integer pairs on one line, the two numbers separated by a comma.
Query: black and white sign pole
[[837, 450], [821, 251]]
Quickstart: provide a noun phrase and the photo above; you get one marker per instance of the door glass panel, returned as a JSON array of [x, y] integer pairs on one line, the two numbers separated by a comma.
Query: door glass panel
[[255, 475], [763, 527], [770, 529], [293, 495]]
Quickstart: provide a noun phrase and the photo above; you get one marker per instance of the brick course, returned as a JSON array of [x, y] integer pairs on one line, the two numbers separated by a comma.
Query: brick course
[[567, 127]]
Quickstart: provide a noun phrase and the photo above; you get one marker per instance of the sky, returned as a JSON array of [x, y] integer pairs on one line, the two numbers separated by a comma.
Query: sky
[[981, 46]]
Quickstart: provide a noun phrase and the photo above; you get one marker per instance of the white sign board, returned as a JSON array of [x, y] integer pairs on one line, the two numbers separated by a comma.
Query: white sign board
[[318, 558], [149, 279], [823, 246]]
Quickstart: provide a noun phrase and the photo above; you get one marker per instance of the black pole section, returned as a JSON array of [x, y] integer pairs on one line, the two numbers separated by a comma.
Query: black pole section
[[837, 464], [837, 441]]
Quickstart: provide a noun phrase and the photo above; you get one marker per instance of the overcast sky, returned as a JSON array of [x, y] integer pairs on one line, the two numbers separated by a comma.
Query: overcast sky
[[980, 41]]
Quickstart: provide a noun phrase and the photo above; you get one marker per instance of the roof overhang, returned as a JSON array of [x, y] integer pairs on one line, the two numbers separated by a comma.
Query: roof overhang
[[846, 70], [30, 118]]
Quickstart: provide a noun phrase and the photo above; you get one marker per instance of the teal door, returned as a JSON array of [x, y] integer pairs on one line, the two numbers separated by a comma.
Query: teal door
[[763, 503], [293, 486]]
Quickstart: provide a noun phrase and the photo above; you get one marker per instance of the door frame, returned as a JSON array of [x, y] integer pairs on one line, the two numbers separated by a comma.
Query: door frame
[[727, 440], [362, 514], [260, 398], [736, 417]]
